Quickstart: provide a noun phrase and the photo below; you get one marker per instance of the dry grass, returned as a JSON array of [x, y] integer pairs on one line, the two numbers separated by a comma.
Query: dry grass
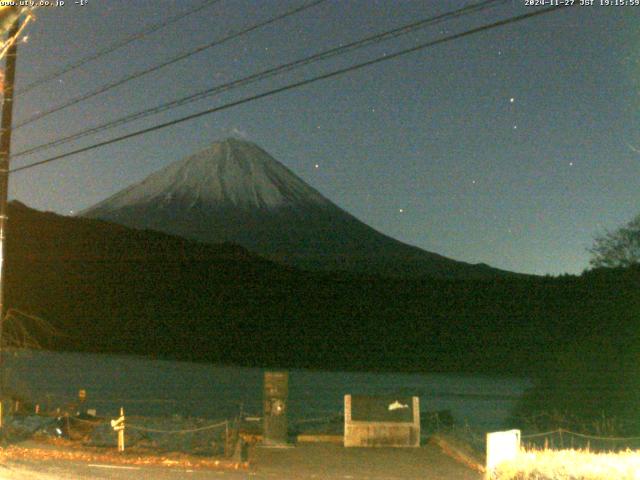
[[571, 465]]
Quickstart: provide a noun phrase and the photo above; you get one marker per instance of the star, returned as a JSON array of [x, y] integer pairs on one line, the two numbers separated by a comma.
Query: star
[[515, 127], [571, 164], [317, 166], [473, 181], [401, 210], [511, 100]]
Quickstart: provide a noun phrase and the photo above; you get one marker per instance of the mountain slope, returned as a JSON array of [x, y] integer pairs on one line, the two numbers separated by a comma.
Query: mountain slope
[[236, 192]]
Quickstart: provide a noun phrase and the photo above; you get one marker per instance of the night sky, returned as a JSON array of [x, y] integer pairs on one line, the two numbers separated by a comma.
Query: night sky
[[512, 147]]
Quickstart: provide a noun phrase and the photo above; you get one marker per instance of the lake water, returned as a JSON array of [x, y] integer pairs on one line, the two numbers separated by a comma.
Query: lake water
[[158, 388]]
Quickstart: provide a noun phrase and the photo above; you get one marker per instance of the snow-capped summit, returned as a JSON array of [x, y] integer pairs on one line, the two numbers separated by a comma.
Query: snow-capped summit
[[231, 173], [236, 192]]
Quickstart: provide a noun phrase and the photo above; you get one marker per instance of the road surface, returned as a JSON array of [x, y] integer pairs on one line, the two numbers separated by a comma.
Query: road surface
[[314, 461]]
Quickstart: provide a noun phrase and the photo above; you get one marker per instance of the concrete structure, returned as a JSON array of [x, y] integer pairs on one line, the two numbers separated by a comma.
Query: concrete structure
[[276, 392], [371, 421]]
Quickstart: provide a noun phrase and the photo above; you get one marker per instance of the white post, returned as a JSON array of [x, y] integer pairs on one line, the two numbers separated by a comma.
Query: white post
[[118, 426], [501, 447], [121, 432]]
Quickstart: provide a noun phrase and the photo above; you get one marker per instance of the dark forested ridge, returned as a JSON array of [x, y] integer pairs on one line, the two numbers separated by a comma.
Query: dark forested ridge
[[108, 288]]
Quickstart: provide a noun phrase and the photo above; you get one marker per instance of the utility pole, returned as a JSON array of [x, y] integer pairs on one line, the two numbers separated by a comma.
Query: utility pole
[[5, 150]]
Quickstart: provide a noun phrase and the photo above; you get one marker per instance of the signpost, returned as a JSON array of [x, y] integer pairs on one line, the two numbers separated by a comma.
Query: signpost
[[276, 392]]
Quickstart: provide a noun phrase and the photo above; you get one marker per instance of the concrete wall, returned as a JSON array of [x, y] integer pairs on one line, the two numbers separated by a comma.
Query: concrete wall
[[380, 433]]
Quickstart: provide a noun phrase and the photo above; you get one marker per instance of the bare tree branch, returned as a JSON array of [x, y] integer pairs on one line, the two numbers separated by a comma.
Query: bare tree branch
[[620, 248]]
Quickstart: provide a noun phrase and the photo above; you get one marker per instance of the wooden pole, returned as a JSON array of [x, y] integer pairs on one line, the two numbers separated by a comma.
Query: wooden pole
[[5, 150]]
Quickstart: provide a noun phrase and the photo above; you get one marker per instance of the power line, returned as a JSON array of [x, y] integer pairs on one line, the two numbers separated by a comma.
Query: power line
[[182, 56], [326, 54], [291, 86], [116, 46]]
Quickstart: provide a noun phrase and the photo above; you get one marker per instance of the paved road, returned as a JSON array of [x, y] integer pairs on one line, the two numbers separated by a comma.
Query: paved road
[[315, 462], [334, 462]]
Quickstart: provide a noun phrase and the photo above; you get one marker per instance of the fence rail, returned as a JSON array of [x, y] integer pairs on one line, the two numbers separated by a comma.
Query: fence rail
[[582, 435], [213, 426]]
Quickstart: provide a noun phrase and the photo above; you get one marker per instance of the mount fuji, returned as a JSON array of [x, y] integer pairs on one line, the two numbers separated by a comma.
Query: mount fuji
[[234, 191]]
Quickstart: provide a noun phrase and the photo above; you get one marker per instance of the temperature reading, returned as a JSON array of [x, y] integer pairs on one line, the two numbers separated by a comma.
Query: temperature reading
[[82, 3]]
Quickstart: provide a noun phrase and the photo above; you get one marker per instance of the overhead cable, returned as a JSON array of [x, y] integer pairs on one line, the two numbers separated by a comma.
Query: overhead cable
[[146, 71], [115, 46], [268, 73], [291, 86]]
